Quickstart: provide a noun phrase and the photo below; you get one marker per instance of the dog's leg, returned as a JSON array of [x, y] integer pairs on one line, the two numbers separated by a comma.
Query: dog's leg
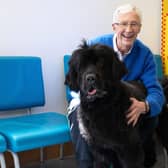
[[132, 156], [115, 161], [106, 158], [101, 165], [150, 153], [100, 159]]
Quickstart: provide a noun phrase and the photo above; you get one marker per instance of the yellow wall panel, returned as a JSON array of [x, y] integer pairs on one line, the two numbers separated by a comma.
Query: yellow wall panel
[[164, 38]]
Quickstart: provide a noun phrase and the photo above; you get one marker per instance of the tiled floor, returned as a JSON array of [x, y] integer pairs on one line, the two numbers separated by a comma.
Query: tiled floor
[[70, 162]]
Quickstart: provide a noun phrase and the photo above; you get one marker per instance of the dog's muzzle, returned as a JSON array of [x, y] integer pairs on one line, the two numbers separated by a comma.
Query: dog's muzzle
[[91, 80], [92, 88]]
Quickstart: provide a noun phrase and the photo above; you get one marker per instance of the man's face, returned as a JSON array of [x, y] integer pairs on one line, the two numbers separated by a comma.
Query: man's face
[[127, 29]]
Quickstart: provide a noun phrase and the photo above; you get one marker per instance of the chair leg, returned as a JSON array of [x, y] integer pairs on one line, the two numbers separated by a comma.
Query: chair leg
[[2, 160], [15, 159], [41, 155], [165, 157], [42, 161], [61, 154]]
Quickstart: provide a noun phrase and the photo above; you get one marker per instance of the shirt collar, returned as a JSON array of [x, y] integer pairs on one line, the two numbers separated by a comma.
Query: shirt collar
[[120, 56]]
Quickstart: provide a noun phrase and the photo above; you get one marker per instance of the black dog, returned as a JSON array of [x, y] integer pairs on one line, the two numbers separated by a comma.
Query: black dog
[[96, 72]]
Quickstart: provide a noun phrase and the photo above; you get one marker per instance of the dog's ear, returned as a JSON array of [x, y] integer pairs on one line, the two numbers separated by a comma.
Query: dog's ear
[[118, 69], [71, 78]]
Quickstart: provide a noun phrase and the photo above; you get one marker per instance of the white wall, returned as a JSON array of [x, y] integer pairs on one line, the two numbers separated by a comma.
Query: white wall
[[52, 28]]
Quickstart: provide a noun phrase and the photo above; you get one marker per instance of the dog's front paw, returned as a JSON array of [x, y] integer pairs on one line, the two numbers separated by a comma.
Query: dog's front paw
[[150, 160]]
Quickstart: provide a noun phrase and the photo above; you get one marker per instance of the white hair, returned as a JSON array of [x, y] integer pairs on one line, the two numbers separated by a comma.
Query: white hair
[[125, 9]]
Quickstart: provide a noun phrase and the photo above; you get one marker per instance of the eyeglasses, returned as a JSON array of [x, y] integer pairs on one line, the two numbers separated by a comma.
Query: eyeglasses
[[124, 25]]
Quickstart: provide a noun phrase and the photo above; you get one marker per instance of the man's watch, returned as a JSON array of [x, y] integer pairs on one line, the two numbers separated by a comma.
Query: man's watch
[[147, 108]]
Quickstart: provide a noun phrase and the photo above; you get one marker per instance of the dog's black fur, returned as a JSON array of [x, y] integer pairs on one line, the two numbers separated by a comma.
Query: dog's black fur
[[96, 72]]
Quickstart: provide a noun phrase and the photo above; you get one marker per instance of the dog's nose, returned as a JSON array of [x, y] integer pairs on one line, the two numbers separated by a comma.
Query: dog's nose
[[90, 78]]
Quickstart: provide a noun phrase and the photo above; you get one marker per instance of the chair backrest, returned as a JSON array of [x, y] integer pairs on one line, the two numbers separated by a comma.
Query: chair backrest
[[66, 68], [3, 145], [159, 66], [21, 82]]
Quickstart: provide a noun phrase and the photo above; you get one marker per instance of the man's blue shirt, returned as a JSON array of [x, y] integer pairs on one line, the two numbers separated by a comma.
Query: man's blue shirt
[[141, 66]]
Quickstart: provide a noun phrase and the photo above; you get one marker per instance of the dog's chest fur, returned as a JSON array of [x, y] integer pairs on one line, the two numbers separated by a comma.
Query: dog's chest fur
[[104, 121], [103, 124], [82, 128]]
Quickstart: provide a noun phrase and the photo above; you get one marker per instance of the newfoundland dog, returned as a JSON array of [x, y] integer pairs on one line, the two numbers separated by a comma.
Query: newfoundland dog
[[96, 72]]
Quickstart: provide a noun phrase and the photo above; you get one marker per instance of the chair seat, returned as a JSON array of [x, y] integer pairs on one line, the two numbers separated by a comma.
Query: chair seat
[[35, 131], [2, 144]]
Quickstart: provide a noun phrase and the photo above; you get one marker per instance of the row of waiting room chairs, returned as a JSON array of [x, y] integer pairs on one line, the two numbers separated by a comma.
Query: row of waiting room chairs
[[22, 87]]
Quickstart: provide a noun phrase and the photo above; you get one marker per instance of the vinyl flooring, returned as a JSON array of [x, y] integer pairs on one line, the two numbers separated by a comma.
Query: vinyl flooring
[[69, 162]]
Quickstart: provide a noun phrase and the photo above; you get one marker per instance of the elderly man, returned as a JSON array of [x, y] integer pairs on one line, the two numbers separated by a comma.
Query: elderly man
[[140, 64]]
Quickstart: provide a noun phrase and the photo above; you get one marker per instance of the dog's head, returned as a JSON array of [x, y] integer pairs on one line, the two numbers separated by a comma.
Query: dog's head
[[93, 69]]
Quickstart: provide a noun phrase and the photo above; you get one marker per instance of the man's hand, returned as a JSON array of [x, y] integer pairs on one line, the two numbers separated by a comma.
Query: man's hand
[[135, 110]]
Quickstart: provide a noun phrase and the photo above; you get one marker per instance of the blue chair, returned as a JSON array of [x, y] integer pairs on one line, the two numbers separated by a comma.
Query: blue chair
[[66, 68], [21, 87], [159, 66], [2, 149]]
